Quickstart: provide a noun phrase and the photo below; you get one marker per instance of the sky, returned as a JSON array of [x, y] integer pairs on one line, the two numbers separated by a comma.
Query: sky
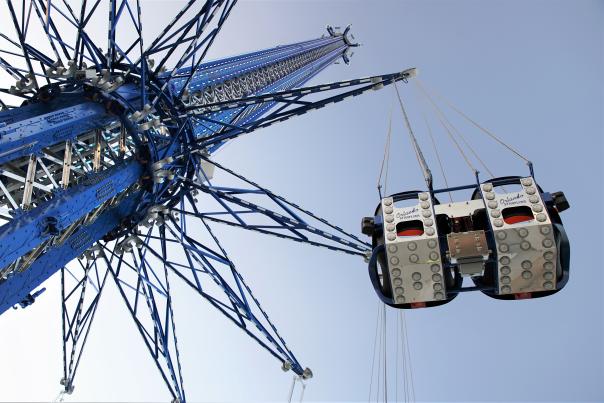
[[531, 71]]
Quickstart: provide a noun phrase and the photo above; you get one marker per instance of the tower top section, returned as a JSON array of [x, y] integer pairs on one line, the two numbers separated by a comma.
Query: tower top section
[[347, 37]]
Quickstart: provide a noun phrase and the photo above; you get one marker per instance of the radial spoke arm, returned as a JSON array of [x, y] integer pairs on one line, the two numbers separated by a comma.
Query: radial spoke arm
[[250, 206], [81, 290], [145, 288], [216, 280], [292, 103]]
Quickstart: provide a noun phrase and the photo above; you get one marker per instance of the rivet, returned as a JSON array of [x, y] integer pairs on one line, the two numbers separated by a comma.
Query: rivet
[[429, 231], [548, 255], [526, 264], [523, 232], [423, 196], [396, 272], [530, 190], [391, 237], [436, 277], [417, 285], [504, 248], [394, 260], [388, 209], [487, 187], [416, 276], [545, 230], [433, 255], [388, 202], [428, 222], [392, 248], [548, 275], [548, 285], [489, 196], [432, 243], [504, 260], [506, 289], [541, 217], [390, 227], [413, 258], [426, 213], [435, 268], [412, 246], [506, 280], [389, 218], [399, 290], [438, 295], [525, 245], [400, 299], [501, 235], [537, 208], [527, 274], [492, 204], [534, 199], [505, 270], [548, 243], [437, 286], [548, 266], [495, 213], [527, 181], [498, 222], [425, 205], [397, 281]]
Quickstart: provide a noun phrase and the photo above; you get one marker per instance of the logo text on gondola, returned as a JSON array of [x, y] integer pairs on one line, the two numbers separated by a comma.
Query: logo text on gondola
[[512, 200], [407, 214]]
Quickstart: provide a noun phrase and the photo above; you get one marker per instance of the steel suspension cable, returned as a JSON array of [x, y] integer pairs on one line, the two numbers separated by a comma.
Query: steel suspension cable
[[385, 159], [477, 125], [385, 355], [396, 362], [449, 133], [461, 136], [456, 131], [418, 152], [375, 339], [440, 163], [379, 367], [406, 345]]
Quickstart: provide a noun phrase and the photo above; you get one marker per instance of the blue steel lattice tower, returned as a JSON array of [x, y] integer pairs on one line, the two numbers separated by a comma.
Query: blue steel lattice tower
[[105, 155]]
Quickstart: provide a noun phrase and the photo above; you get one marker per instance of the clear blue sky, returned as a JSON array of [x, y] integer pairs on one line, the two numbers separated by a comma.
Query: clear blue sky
[[529, 70]]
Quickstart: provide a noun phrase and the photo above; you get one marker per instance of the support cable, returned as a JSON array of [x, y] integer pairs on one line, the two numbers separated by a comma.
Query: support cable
[[385, 355], [449, 133], [477, 125], [385, 160], [440, 163], [295, 380], [379, 355], [418, 152], [375, 339], [456, 131], [408, 355]]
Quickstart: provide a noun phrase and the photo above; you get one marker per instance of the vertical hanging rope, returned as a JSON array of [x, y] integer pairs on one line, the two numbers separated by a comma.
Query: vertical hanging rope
[[379, 367], [297, 379], [396, 360], [377, 324], [291, 389], [375, 352], [408, 355], [385, 355]]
